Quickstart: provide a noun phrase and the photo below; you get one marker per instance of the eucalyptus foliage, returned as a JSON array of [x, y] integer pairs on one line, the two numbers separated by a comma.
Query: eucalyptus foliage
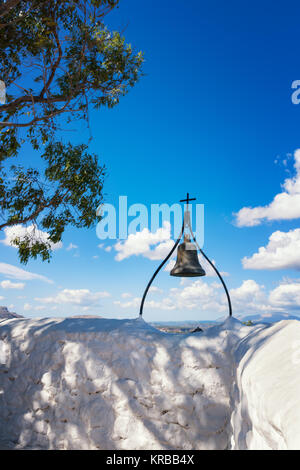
[[57, 59]]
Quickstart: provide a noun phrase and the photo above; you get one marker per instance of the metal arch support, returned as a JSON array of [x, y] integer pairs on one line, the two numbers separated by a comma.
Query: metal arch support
[[219, 276], [214, 267], [159, 268], [186, 222]]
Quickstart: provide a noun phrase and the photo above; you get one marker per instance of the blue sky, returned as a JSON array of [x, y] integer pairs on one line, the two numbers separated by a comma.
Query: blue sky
[[213, 115]]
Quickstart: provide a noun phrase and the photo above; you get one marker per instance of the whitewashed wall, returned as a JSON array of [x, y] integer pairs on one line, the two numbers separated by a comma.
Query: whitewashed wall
[[266, 412], [112, 384]]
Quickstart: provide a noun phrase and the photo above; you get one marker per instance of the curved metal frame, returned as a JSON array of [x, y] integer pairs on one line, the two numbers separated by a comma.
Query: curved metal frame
[[186, 222], [217, 272], [158, 269]]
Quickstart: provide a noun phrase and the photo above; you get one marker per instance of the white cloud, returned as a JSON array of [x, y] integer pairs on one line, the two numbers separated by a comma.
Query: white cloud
[[39, 307], [31, 232], [282, 252], [197, 294], [71, 247], [249, 298], [164, 304], [248, 291], [27, 307], [107, 248], [286, 296], [135, 302], [155, 289], [1, 297], [126, 295], [12, 285], [151, 245], [285, 205], [170, 265], [82, 297], [210, 272], [17, 273]]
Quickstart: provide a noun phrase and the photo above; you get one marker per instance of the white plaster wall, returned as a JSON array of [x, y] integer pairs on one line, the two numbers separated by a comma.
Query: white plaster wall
[[266, 412], [112, 384]]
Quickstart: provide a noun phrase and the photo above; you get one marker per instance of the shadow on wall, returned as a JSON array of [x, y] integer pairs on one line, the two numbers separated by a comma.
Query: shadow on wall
[[112, 384]]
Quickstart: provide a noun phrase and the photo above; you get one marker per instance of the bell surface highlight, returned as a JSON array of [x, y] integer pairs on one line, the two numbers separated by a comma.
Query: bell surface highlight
[[187, 263]]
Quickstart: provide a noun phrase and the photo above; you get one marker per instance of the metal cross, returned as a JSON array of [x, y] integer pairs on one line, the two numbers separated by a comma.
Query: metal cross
[[188, 199]]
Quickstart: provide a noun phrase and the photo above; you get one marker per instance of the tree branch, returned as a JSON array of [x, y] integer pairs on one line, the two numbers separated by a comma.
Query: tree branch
[[42, 118], [34, 215], [9, 4], [56, 64]]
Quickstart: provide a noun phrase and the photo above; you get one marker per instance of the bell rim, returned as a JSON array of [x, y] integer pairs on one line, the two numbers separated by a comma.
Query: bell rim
[[188, 273]]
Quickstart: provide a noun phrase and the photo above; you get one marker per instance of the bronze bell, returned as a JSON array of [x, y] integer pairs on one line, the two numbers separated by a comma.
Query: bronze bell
[[187, 263]]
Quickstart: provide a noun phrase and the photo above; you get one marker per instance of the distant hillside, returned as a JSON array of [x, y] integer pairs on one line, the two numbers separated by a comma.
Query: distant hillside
[[85, 316], [6, 314], [189, 326], [265, 318], [182, 323]]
